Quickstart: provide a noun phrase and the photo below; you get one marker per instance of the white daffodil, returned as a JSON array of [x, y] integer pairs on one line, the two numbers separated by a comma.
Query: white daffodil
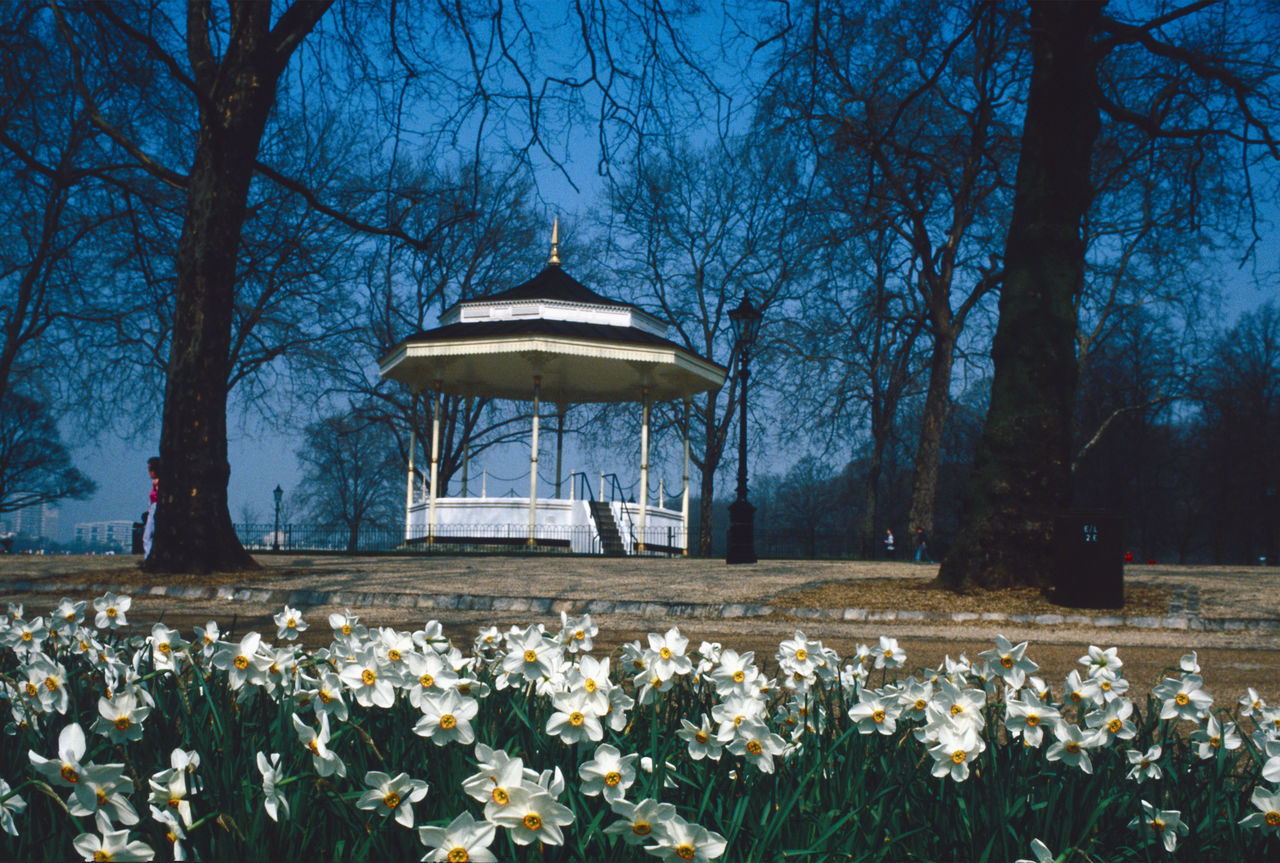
[[1112, 722], [172, 831], [169, 791], [531, 815], [641, 822], [1027, 717], [700, 739], [1084, 695], [1072, 746], [465, 840], [274, 803], [289, 623], [1163, 823], [66, 770], [10, 804], [1251, 704], [577, 635], [1216, 736], [388, 794], [958, 746], [530, 655], [590, 676], [735, 710], [67, 617], [111, 611], [104, 787], [666, 655], [166, 647], [890, 655], [1267, 818], [574, 719], [446, 718], [1009, 660], [111, 845], [207, 638], [47, 679], [120, 717], [682, 842], [736, 673], [874, 714], [498, 775], [1183, 698], [316, 741], [1098, 659], [1145, 764], [327, 698], [609, 774], [241, 661], [427, 674], [370, 681], [756, 744]]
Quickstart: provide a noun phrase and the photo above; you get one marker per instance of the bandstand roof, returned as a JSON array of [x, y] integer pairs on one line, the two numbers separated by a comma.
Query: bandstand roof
[[582, 346]]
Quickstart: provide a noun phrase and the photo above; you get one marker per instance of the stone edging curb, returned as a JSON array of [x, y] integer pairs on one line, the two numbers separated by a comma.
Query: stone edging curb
[[546, 605]]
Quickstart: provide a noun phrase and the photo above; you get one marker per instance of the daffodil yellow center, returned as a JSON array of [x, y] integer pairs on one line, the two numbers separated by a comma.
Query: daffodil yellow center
[[26, 635], [1072, 747], [392, 800], [701, 736], [368, 676], [533, 821], [163, 647], [1114, 726], [241, 662], [612, 778], [175, 802], [291, 623], [1157, 825], [69, 774], [590, 685], [393, 655], [665, 653], [576, 719], [500, 796], [122, 723], [1033, 720], [580, 635], [739, 676], [641, 828], [1272, 818], [956, 709], [427, 681], [32, 690], [1215, 742], [802, 654], [346, 629], [959, 756], [754, 747], [448, 721], [1105, 686], [1182, 698], [102, 797], [70, 617], [458, 855], [877, 716], [686, 851], [111, 612], [101, 855], [530, 656], [1006, 661], [921, 704], [314, 747], [325, 697], [1076, 697]]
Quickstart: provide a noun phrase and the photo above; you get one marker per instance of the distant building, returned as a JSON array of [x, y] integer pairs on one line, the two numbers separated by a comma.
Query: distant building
[[36, 522], [105, 535]]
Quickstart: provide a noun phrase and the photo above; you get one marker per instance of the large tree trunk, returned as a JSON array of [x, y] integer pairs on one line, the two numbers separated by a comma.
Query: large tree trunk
[[937, 406], [193, 522], [1022, 473]]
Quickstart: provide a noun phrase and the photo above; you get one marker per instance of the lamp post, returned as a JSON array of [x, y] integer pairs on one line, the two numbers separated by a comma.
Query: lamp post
[[745, 320], [275, 537]]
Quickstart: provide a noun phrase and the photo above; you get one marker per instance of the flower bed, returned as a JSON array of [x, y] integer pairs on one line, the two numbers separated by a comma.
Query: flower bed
[[398, 745]]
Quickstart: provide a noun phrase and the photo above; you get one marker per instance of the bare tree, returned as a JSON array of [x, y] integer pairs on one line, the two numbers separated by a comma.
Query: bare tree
[[349, 474], [695, 232], [1197, 87], [35, 467]]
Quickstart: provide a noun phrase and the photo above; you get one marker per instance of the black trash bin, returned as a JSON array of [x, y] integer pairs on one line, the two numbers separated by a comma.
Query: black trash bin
[[1090, 563]]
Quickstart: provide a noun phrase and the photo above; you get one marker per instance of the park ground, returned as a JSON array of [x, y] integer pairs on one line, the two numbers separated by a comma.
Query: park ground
[[1229, 616]]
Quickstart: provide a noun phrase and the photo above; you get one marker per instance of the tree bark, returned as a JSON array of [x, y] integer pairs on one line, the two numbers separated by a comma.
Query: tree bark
[[937, 406], [193, 522], [1022, 473]]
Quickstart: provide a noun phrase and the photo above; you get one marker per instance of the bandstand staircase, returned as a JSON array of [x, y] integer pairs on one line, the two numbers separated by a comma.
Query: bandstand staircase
[[610, 538]]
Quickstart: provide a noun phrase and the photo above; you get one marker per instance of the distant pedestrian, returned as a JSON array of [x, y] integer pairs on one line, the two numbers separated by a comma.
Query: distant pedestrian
[[922, 546], [888, 543], [149, 530]]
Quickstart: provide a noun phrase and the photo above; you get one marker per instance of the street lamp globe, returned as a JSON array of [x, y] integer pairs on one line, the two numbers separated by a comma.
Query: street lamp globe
[[278, 494]]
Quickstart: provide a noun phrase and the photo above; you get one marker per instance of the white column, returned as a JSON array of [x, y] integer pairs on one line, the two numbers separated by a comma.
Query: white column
[[533, 462], [684, 502], [435, 464], [466, 447], [408, 493], [644, 464]]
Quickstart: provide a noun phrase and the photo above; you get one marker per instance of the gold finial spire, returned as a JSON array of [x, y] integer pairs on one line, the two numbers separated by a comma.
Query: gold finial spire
[[555, 243]]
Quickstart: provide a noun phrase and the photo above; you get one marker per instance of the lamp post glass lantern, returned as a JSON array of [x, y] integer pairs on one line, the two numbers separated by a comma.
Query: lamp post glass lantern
[[745, 320], [275, 536]]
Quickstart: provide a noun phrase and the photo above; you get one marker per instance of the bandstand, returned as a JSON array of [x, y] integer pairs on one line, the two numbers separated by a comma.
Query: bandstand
[[550, 339]]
